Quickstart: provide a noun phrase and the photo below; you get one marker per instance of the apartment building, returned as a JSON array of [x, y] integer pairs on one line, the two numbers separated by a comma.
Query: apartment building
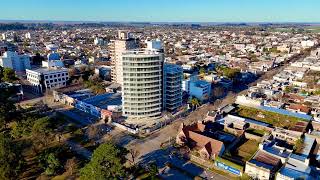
[[142, 84], [172, 87], [14, 61], [118, 46]]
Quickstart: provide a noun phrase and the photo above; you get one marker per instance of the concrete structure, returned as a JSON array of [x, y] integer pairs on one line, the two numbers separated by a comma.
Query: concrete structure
[[154, 45], [117, 47], [199, 89], [172, 87], [286, 135], [262, 166], [42, 79], [142, 84], [14, 61]]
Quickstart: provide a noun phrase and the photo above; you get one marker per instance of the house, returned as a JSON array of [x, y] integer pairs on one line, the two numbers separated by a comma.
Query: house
[[262, 166], [286, 135], [207, 147], [298, 108], [199, 89]]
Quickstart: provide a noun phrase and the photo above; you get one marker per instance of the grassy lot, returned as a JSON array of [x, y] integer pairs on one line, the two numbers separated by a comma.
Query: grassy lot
[[272, 118], [247, 150], [257, 132], [314, 29]]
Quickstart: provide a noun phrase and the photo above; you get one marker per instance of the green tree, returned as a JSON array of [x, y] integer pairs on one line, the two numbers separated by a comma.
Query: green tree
[[202, 71], [10, 160], [194, 102], [153, 171], [41, 131], [7, 109], [49, 161], [9, 75], [106, 163], [53, 164]]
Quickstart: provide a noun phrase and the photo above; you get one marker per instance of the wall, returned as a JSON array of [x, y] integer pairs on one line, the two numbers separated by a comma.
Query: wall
[[125, 128], [201, 161], [252, 137]]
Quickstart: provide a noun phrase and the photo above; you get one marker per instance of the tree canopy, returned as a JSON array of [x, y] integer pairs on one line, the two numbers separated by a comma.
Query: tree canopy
[[10, 159], [106, 163], [7, 75]]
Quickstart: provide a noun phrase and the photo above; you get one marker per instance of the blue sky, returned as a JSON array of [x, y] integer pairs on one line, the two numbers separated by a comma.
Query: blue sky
[[163, 10]]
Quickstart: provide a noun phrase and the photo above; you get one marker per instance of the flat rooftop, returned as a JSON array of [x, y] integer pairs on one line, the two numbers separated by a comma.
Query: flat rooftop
[[104, 100]]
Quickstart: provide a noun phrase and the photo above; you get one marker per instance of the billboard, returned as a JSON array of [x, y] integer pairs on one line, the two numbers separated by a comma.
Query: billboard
[[228, 168]]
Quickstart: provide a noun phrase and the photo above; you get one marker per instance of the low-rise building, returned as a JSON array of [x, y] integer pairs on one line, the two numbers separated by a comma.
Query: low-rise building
[[199, 89], [207, 147], [43, 79], [262, 166]]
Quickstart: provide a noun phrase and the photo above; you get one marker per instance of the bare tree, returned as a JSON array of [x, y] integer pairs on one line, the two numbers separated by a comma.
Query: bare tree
[[93, 132], [134, 154], [71, 166]]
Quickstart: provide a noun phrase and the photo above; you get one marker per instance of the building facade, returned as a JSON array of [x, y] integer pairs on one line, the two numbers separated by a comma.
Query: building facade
[[14, 61], [199, 88], [172, 87], [117, 47], [43, 79], [142, 84]]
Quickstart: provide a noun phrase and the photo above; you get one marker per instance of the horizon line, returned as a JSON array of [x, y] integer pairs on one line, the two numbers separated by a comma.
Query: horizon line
[[169, 22]]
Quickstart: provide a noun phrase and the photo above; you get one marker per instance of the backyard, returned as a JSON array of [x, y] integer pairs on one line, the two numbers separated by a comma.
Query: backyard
[[275, 119], [247, 150]]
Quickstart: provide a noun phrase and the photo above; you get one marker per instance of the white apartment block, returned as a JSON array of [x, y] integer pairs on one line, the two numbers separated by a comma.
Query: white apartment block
[[117, 47], [43, 79], [142, 84], [14, 61]]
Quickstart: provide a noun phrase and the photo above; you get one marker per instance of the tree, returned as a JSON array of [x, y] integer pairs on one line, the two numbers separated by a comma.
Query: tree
[[71, 166], [194, 102], [10, 160], [7, 109], [49, 161], [106, 163], [41, 131], [153, 170], [53, 164], [202, 71], [134, 154], [9, 75]]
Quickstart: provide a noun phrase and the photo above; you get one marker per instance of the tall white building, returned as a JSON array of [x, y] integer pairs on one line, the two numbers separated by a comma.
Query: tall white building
[[142, 84], [47, 78], [27, 35], [154, 44], [172, 87], [117, 47], [14, 61]]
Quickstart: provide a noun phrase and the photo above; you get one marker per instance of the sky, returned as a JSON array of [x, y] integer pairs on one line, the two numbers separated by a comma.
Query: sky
[[163, 10]]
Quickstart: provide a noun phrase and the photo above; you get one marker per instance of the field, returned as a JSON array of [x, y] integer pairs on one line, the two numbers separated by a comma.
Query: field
[[256, 132], [314, 29], [247, 149], [275, 119]]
